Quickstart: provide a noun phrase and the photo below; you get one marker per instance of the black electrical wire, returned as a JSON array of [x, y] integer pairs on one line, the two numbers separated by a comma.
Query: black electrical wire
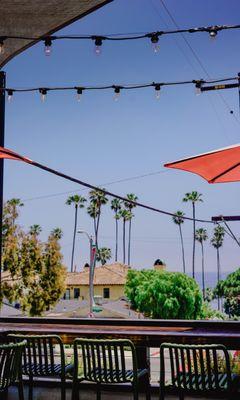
[[123, 37], [128, 86]]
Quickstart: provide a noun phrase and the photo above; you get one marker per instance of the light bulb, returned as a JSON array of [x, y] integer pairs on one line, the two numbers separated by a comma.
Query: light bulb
[[198, 88], [79, 94], [9, 95], [2, 47], [212, 34], [48, 46], [98, 44], [43, 93], [155, 45], [157, 91], [116, 93]]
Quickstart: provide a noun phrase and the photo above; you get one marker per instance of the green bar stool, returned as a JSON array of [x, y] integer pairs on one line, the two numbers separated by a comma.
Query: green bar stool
[[10, 368], [40, 359], [105, 362], [197, 369]]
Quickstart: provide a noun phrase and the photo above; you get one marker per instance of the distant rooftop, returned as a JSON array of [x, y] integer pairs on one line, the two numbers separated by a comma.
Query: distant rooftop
[[112, 274]]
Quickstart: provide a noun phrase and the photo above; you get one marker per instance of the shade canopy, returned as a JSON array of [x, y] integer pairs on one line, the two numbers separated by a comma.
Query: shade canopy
[[38, 18], [217, 166]]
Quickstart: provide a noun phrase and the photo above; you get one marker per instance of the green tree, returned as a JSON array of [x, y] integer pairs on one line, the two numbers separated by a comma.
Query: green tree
[[78, 202], [93, 212], [116, 207], [229, 289], [11, 210], [103, 255], [201, 236], [35, 230], [179, 220], [33, 271], [217, 242], [97, 200], [57, 233], [126, 215], [129, 206], [161, 294], [193, 198]]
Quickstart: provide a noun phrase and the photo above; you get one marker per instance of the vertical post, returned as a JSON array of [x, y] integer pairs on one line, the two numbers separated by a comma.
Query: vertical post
[[2, 127], [91, 275]]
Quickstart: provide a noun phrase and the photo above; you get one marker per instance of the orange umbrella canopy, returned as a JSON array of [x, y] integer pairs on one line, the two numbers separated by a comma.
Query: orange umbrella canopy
[[217, 166]]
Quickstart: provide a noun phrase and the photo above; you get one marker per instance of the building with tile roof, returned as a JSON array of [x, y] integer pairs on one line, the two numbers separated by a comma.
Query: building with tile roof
[[109, 281]]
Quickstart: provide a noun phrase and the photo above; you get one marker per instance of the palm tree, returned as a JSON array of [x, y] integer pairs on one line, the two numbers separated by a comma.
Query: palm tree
[[57, 233], [193, 197], [179, 220], [217, 242], [103, 255], [201, 236], [78, 202], [98, 199], [116, 207], [126, 215], [130, 206], [35, 230], [93, 211]]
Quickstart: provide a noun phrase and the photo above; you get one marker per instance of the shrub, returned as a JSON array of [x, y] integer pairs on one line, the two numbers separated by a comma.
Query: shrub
[[162, 294]]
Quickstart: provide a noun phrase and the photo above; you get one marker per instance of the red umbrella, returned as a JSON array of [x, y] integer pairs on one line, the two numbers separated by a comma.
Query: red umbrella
[[217, 166]]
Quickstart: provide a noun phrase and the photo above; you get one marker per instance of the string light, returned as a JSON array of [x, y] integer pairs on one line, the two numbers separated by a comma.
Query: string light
[[213, 32], [79, 93], [9, 95], [43, 92], [200, 85], [98, 45], [48, 46], [116, 93], [155, 40], [157, 89]]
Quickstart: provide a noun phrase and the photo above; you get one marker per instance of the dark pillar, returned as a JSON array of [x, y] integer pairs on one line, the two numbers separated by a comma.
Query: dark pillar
[[2, 126]]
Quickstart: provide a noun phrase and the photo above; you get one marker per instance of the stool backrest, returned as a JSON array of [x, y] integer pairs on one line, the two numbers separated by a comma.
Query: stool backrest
[[104, 361], [10, 363], [196, 367], [41, 353]]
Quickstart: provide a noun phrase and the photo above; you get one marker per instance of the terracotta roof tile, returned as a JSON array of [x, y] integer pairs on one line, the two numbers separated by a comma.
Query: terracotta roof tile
[[114, 274]]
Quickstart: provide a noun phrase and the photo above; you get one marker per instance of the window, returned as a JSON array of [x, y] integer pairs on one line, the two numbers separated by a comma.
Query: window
[[106, 293], [67, 295], [76, 293]]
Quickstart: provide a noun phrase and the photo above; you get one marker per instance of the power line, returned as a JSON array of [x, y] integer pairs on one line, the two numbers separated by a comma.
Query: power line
[[6, 153], [102, 184], [199, 62]]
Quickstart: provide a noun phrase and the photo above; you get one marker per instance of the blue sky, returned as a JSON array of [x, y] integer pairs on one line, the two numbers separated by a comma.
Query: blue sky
[[100, 141]]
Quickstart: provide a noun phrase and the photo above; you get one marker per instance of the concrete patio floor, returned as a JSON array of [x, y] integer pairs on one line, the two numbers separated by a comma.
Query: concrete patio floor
[[54, 394]]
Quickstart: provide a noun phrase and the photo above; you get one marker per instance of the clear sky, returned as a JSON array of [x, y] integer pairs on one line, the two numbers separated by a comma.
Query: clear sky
[[101, 141]]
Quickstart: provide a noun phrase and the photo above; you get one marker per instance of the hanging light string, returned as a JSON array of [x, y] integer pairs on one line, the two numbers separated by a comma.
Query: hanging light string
[[98, 39], [200, 86]]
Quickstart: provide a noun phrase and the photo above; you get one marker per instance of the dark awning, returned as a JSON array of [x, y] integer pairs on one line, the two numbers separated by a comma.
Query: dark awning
[[38, 18]]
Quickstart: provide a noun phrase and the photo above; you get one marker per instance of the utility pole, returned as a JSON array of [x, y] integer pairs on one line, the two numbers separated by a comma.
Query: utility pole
[[2, 128]]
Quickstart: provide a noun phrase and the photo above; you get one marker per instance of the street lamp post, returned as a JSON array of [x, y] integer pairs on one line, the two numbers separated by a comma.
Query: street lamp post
[[91, 270]]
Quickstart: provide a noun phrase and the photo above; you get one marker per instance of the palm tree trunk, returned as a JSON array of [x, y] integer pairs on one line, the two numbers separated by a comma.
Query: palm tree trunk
[[98, 220], [74, 236], [183, 255], [124, 249], [194, 242], [129, 240], [218, 274], [95, 230], [203, 277], [116, 238]]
